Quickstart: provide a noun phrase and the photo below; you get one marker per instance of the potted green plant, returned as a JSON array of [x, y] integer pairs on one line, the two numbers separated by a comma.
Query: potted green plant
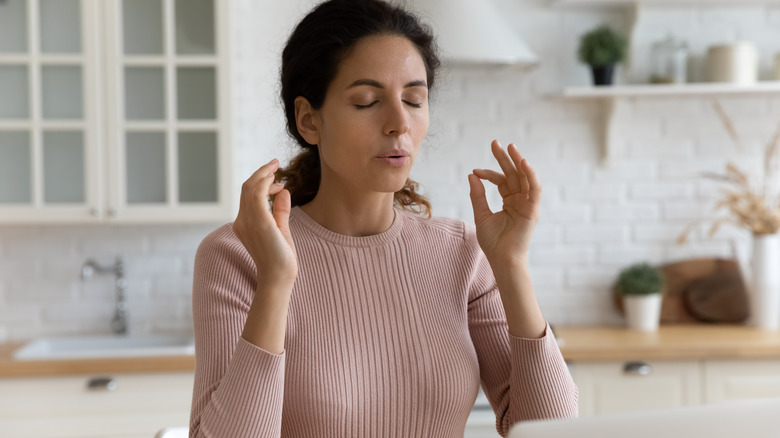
[[641, 287], [602, 48]]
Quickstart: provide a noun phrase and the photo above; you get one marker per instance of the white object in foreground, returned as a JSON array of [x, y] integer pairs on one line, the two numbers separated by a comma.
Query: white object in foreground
[[755, 418]]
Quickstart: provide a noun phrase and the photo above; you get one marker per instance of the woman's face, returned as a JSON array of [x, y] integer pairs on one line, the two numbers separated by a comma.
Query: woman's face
[[374, 117]]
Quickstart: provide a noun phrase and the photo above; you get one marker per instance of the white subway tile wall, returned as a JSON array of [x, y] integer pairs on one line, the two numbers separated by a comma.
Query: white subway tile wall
[[594, 220]]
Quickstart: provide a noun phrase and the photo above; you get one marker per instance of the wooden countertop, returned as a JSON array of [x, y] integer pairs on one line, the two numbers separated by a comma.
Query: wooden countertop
[[580, 344], [30, 368], [675, 342]]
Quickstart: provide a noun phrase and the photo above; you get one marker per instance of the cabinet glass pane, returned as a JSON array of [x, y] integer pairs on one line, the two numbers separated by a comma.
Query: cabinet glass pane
[[15, 167], [60, 26], [62, 92], [146, 167], [196, 93], [63, 167], [195, 27], [198, 167], [13, 26], [14, 92], [142, 24], [144, 93]]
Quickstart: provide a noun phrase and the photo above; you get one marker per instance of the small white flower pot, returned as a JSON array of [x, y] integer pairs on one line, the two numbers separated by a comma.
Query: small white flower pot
[[643, 312]]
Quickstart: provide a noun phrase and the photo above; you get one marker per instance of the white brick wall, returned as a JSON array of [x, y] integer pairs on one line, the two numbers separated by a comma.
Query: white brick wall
[[594, 220]]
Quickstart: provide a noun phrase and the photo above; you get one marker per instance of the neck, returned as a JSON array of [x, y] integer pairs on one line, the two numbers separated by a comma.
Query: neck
[[357, 216]]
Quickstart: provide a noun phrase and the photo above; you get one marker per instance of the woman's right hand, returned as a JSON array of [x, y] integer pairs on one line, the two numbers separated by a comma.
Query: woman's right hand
[[266, 233]]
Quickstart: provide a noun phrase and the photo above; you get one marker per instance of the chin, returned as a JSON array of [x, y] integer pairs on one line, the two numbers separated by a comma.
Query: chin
[[389, 186]]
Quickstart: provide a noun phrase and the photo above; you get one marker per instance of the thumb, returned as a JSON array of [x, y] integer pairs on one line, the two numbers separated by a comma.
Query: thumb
[[281, 212], [478, 200]]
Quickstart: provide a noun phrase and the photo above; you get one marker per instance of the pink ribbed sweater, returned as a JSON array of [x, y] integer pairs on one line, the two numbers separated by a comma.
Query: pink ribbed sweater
[[388, 335]]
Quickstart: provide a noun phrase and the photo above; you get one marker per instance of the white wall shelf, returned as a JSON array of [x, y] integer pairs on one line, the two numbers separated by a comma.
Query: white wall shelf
[[611, 97], [662, 90]]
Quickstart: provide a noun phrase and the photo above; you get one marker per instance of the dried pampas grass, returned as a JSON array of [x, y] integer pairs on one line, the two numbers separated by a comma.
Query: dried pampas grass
[[748, 209]]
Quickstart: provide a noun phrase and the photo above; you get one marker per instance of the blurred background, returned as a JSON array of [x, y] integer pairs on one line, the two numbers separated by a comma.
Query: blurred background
[[127, 129]]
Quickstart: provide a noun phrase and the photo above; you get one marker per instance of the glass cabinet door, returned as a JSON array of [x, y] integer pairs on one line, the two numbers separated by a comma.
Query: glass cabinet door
[[169, 155], [48, 157], [114, 110]]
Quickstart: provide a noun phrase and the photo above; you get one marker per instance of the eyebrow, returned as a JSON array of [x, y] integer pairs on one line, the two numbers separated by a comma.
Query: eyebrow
[[376, 84]]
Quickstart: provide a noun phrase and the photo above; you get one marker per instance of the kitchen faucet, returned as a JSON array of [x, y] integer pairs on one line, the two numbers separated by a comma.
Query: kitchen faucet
[[119, 322]]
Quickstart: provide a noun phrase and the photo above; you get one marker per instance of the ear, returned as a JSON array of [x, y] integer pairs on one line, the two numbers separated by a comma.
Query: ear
[[307, 120]]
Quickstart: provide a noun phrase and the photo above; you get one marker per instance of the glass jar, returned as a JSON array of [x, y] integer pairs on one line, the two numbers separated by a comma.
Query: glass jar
[[669, 61]]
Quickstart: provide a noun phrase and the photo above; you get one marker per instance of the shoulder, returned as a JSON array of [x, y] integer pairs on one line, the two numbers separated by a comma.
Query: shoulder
[[443, 231], [222, 248], [221, 239]]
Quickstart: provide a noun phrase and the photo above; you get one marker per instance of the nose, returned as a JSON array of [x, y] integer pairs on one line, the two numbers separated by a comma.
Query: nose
[[397, 119]]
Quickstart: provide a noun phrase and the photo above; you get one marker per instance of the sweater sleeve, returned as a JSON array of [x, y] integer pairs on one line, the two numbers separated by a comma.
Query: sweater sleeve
[[238, 389], [523, 379]]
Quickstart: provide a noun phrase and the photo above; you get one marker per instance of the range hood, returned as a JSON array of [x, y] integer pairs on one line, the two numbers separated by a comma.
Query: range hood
[[474, 32]]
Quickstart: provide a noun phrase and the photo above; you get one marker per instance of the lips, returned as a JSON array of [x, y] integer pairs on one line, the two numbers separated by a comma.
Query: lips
[[395, 158], [395, 153]]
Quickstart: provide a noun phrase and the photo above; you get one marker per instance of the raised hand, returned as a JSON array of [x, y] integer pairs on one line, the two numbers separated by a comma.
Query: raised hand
[[266, 233], [506, 235]]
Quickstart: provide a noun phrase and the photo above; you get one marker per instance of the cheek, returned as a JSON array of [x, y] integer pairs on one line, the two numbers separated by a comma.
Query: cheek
[[421, 125]]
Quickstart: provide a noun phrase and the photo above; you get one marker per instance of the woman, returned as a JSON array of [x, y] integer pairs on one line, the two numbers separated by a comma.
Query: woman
[[342, 311]]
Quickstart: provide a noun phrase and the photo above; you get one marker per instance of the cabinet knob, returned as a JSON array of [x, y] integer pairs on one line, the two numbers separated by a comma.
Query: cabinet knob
[[94, 212], [637, 368], [102, 384], [112, 212]]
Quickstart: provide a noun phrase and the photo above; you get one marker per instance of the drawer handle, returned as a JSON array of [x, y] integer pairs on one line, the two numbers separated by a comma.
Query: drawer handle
[[637, 368], [102, 384]]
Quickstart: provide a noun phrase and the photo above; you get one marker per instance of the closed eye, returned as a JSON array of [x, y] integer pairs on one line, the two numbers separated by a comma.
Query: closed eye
[[366, 106], [413, 105]]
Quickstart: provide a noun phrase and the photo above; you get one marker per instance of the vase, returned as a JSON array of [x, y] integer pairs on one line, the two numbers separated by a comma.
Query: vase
[[602, 75], [765, 282], [643, 312]]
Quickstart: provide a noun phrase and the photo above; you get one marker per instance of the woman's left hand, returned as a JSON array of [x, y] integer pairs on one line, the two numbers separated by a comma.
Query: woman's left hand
[[506, 235]]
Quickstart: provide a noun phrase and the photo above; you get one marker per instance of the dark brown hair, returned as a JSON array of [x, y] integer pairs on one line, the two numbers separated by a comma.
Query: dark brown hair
[[310, 61]]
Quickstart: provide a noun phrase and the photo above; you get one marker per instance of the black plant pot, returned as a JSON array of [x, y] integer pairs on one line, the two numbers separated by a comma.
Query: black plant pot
[[603, 75]]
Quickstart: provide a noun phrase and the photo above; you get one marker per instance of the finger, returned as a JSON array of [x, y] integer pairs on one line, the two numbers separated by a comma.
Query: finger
[[264, 170], [263, 187], [535, 187], [491, 175], [517, 159], [496, 178], [275, 188], [506, 166], [478, 200]]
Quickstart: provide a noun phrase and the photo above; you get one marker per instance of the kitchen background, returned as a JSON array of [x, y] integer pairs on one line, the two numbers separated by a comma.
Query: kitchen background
[[595, 219]]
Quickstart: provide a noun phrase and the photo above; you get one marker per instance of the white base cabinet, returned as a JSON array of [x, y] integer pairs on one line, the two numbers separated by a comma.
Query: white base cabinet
[[737, 380], [611, 387], [138, 405]]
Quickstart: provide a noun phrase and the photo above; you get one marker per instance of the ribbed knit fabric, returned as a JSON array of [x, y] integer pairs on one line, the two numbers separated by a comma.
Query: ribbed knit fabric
[[388, 335]]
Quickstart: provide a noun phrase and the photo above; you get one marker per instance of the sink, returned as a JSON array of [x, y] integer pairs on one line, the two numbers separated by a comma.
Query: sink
[[90, 347]]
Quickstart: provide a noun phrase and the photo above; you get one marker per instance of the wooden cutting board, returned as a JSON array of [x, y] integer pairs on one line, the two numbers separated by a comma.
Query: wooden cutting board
[[702, 290]]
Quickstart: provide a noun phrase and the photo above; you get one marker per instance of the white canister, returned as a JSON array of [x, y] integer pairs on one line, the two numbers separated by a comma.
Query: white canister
[[776, 75], [735, 63]]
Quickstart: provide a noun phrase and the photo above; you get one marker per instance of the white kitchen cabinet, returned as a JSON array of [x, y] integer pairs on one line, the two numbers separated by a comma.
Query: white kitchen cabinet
[[114, 110], [631, 386], [606, 387], [65, 407], [735, 380]]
